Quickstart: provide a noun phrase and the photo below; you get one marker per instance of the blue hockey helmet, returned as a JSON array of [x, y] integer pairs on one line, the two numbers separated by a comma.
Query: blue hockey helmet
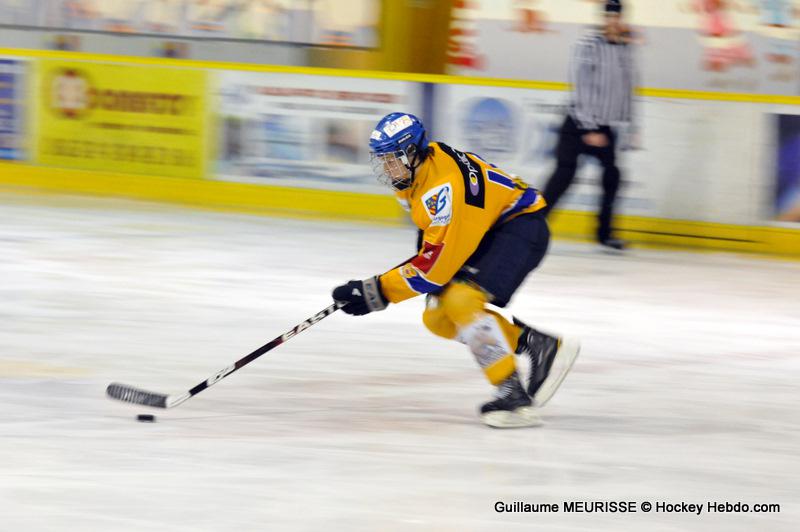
[[398, 145]]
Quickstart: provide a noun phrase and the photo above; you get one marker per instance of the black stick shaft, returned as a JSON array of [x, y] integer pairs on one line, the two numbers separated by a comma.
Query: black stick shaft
[[263, 349], [131, 394]]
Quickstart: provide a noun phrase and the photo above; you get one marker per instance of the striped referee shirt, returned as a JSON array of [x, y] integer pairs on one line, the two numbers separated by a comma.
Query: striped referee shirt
[[603, 78]]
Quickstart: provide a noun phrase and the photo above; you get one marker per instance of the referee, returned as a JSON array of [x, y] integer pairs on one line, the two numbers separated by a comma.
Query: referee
[[603, 81]]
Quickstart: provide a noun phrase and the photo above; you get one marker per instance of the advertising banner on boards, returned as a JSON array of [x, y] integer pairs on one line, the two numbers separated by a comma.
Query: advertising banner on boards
[[301, 130], [114, 117], [692, 160], [787, 168], [12, 109]]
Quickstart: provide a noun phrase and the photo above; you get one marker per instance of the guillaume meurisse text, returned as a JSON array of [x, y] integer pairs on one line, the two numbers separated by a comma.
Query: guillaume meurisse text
[[682, 507]]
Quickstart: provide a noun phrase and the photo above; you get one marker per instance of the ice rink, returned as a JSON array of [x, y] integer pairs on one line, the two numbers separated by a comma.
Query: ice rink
[[686, 389]]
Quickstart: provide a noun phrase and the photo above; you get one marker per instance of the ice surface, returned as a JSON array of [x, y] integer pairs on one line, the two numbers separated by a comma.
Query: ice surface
[[686, 390]]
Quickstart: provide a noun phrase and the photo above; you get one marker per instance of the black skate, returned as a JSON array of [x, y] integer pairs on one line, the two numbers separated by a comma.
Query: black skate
[[613, 245], [551, 359], [511, 409]]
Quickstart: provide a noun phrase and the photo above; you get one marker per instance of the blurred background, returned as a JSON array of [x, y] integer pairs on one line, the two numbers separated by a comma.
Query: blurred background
[[284, 92], [183, 180]]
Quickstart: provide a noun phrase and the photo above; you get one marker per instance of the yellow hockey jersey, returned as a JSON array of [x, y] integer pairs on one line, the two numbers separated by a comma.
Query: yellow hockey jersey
[[455, 199]]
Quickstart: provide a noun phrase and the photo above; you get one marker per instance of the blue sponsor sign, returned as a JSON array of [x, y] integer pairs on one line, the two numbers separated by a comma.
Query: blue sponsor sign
[[11, 110]]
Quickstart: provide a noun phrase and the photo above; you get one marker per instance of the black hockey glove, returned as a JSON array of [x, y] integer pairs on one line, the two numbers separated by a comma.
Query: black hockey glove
[[360, 297]]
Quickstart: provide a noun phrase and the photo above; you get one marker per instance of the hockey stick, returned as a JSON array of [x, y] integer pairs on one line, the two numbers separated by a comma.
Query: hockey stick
[[129, 394]]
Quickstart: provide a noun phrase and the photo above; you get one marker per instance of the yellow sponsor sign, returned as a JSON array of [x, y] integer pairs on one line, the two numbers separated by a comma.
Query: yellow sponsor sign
[[122, 118]]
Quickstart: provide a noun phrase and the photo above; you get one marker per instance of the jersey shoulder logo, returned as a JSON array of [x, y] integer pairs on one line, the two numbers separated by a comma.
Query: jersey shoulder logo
[[438, 203], [474, 186]]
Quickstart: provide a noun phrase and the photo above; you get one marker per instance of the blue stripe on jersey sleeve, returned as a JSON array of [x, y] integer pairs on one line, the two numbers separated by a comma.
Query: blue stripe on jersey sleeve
[[422, 285], [500, 179], [527, 199]]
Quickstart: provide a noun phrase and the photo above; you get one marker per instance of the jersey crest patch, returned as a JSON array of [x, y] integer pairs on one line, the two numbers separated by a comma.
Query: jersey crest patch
[[408, 271], [439, 204], [416, 281]]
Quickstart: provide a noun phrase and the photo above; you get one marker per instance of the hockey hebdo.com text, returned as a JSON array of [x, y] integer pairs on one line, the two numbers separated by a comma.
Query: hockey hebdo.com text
[[626, 507]]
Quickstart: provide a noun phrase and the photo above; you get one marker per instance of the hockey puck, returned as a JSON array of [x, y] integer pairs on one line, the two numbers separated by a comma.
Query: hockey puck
[[146, 418]]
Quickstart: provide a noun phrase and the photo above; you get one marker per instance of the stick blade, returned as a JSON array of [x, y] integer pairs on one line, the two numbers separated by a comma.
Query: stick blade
[[129, 394]]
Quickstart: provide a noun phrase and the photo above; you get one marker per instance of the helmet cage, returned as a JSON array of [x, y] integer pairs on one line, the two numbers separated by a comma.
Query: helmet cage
[[392, 169], [397, 147]]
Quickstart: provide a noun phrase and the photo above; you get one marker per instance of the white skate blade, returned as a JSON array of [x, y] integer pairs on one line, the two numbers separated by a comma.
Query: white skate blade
[[565, 358], [525, 416]]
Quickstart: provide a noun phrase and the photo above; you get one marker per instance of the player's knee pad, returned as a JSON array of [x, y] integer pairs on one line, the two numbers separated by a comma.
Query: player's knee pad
[[488, 342], [511, 332], [462, 303], [436, 319]]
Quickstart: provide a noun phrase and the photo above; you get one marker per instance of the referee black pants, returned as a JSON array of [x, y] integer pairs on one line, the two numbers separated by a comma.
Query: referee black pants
[[570, 147]]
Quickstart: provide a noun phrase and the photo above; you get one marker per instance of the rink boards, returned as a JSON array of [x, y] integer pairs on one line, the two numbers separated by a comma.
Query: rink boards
[[708, 170]]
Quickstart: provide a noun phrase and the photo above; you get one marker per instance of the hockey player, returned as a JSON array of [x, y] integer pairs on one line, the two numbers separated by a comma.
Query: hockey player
[[482, 232]]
